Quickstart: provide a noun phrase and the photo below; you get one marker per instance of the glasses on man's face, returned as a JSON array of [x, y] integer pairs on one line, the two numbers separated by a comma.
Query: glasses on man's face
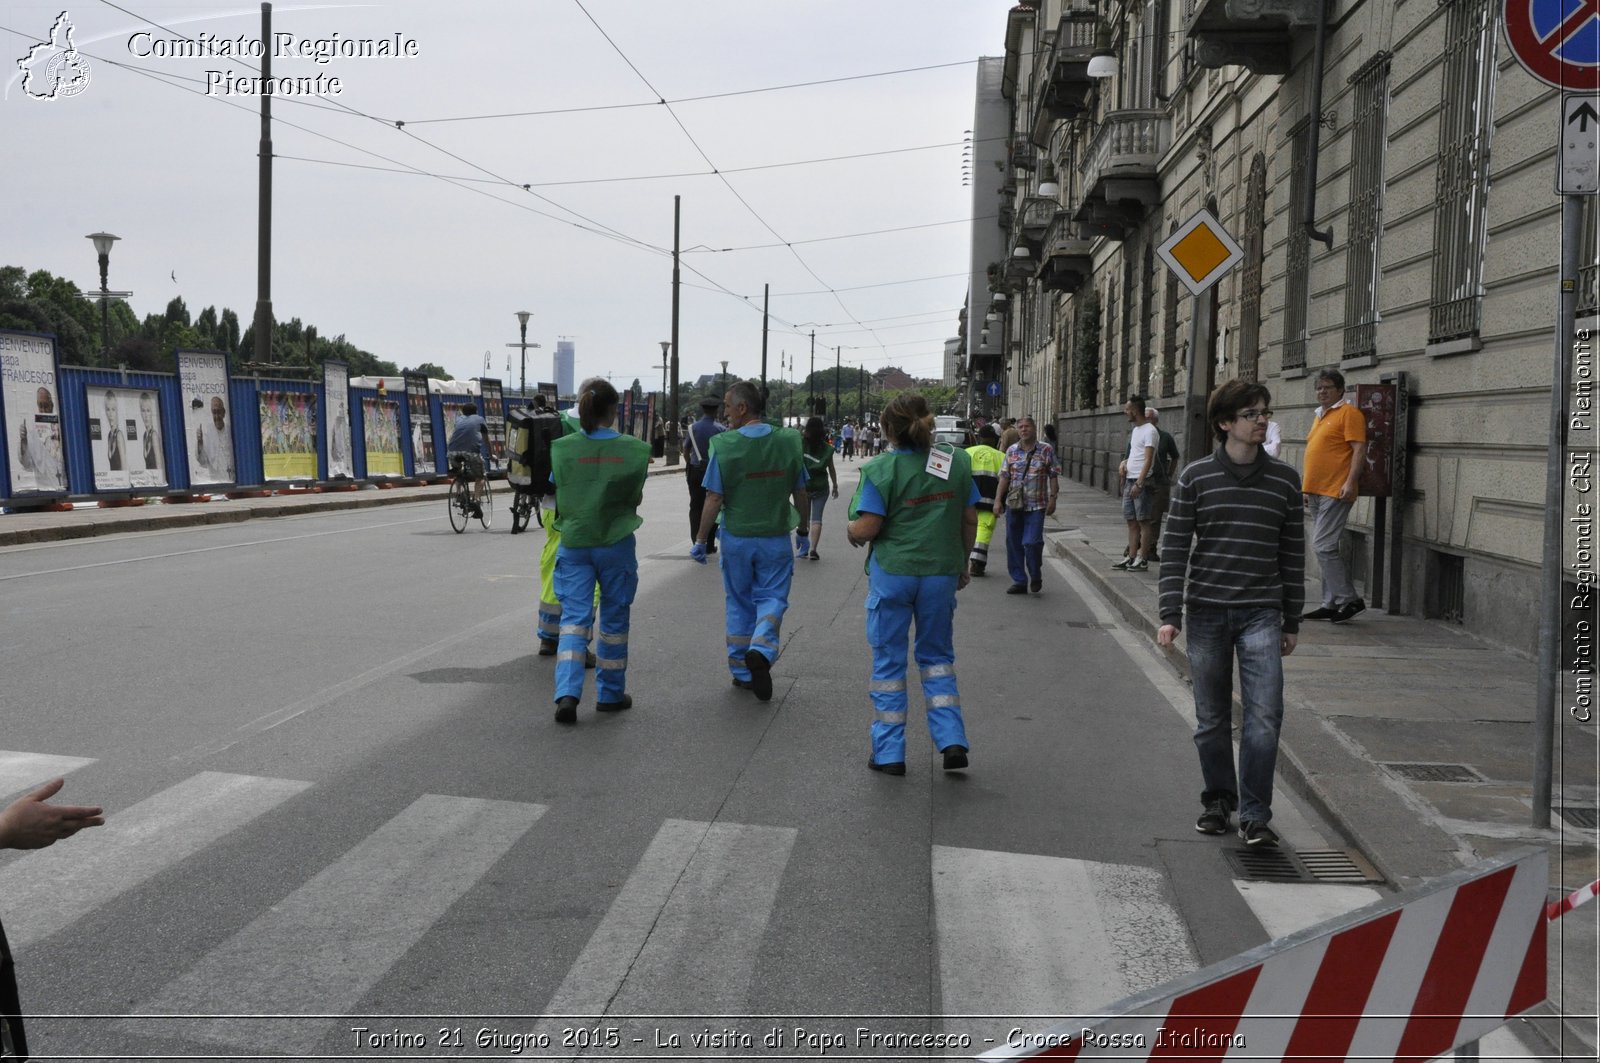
[[1255, 415]]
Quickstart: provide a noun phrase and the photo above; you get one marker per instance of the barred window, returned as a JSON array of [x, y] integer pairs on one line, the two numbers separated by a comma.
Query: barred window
[[1108, 383], [1129, 317], [1460, 215], [1368, 142], [1169, 332], [1588, 269], [1147, 310], [1255, 235], [1297, 280]]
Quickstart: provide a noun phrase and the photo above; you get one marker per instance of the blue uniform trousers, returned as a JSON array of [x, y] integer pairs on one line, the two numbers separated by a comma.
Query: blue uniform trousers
[[892, 603], [756, 572], [1024, 544], [616, 569]]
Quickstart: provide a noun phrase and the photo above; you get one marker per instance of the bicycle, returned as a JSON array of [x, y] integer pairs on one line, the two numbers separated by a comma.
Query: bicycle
[[525, 510], [463, 474]]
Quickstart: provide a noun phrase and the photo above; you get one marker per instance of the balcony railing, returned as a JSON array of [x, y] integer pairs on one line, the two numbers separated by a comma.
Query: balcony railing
[[1256, 34], [1128, 142], [1066, 260], [1061, 81]]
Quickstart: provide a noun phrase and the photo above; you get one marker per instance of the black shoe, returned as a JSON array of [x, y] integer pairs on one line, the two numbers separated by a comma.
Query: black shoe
[[1137, 564], [1125, 563], [1036, 586], [977, 567], [744, 684], [1017, 588], [955, 757], [588, 659], [1320, 613], [477, 512], [1257, 835], [615, 706], [547, 647], [1214, 820], [760, 674], [711, 549], [1349, 609], [897, 768], [812, 556], [566, 710]]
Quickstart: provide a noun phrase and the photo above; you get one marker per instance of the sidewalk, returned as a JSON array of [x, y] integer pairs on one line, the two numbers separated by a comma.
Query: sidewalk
[[87, 519], [1385, 689]]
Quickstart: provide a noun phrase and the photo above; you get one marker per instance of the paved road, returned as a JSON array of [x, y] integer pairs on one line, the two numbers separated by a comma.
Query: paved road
[[335, 789]]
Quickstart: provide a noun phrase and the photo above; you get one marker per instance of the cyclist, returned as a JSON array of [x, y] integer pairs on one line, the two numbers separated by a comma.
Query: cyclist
[[467, 448]]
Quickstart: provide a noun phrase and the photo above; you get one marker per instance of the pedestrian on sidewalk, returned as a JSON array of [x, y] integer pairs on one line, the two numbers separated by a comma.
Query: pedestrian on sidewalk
[[1336, 451], [1233, 573], [1160, 480], [987, 462], [1137, 499], [1009, 434], [700, 433], [848, 435], [30, 822], [1029, 483], [599, 477], [753, 471], [818, 457], [915, 508]]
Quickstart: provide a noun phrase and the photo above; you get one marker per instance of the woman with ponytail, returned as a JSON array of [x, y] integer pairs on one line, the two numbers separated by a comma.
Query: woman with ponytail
[[818, 455], [599, 479], [915, 507]]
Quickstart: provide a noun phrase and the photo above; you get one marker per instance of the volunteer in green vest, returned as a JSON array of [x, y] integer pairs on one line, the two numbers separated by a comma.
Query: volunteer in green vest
[[549, 604], [599, 477], [753, 473], [915, 506], [818, 457], [987, 464]]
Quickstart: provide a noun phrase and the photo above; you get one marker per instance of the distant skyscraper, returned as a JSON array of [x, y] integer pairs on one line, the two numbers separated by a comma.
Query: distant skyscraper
[[566, 360]]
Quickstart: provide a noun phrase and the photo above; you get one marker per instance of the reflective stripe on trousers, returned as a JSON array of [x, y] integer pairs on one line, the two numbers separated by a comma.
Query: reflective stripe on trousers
[[549, 601], [893, 602], [615, 569], [756, 572]]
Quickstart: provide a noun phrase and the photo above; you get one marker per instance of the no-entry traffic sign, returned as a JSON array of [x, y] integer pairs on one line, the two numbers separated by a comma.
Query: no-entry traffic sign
[[1557, 41]]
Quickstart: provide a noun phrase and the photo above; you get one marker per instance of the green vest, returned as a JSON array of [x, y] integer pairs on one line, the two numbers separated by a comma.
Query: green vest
[[598, 486], [758, 475], [817, 467], [922, 530], [987, 465]]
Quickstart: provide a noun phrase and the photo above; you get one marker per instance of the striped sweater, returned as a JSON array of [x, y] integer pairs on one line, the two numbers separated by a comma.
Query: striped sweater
[[1234, 537]]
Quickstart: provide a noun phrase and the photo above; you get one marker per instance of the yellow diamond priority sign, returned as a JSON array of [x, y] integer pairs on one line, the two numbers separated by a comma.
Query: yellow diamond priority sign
[[1200, 252]]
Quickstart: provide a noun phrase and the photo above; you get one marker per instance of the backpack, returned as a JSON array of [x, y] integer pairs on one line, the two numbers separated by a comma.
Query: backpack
[[537, 432]]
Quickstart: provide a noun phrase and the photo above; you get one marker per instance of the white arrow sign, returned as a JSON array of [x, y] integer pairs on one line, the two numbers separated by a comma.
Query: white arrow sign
[[1578, 171]]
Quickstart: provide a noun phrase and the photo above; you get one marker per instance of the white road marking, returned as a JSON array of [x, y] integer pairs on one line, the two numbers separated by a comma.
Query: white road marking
[[25, 771], [48, 890], [1282, 907], [324, 946]]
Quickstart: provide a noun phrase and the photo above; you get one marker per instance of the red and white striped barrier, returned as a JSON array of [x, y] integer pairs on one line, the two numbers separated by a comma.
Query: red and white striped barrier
[[1578, 896], [1408, 978]]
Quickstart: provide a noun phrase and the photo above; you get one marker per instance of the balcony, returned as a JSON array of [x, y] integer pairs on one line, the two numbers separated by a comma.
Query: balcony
[[1032, 223], [1061, 83], [1022, 155], [1255, 34], [1120, 182], [1065, 263]]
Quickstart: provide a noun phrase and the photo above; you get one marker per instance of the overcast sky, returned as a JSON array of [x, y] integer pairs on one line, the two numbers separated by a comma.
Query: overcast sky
[[415, 268]]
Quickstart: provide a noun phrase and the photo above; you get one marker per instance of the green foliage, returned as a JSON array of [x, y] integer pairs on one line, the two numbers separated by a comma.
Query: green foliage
[[430, 370], [1086, 351]]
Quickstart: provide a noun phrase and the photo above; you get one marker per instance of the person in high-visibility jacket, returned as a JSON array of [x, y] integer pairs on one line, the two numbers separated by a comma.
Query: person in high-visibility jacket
[[987, 464], [753, 473], [599, 477], [915, 505], [549, 604]]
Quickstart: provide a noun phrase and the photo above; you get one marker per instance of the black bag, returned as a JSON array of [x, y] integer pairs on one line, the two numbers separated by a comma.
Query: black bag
[[543, 428]]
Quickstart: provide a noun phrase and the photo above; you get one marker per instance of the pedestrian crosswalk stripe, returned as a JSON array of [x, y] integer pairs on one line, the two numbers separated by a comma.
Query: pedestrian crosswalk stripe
[[324, 946], [692, 914], [1020, 934], [52, 888], [25, 771]]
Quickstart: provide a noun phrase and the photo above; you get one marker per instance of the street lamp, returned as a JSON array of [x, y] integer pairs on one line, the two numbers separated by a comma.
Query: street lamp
[[522, 322], [102, 248], [666, 345], [724, 376]]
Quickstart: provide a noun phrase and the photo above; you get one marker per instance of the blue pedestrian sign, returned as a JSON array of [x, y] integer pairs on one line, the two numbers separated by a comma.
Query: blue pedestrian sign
[[993, 389]]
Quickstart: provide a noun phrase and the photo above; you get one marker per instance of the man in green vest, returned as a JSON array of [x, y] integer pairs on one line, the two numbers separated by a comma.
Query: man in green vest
[[549, 605], [753, 473], [987, 464]]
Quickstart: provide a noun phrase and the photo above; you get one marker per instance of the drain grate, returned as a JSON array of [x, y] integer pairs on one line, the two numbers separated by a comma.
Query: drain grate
[[1580, 816], [1308, 866], [1436, 772]]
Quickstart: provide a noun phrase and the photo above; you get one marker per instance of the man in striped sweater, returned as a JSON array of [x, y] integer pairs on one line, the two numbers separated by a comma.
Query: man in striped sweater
[[1233, 569]]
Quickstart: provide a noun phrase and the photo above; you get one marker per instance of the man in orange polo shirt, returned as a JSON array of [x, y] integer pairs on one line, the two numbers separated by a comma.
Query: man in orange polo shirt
[[1336, 449]]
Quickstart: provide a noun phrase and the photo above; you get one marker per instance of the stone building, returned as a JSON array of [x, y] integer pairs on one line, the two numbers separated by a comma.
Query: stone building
[[1388, 170]]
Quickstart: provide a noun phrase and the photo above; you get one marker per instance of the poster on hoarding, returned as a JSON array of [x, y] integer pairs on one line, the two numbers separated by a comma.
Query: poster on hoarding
[[380, 432], [125, 439], [32, 405], [493, 407], [288, 435], [336, 390], [203, 385], [422, 456]]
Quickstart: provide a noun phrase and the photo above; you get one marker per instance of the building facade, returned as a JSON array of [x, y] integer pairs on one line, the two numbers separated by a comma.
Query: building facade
[[566, 361], [1388, 170]]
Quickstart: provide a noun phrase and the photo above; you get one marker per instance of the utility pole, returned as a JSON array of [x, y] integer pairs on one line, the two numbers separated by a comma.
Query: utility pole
[[263, 321], [811, 381], [838, 414], [861, 395], [766, 295], [672, 405]]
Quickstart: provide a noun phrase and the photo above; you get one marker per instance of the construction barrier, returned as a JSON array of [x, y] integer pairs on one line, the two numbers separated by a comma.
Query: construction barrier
[[1410, 977]]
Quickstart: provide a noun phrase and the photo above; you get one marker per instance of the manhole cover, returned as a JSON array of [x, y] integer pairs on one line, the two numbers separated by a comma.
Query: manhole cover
[[1579, 816], [1436, 772], [1338, 866]]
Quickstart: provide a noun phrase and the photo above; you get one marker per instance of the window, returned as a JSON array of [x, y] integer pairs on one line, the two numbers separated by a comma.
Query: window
[[1110, 387], [1460, 216], [1297, 281], [1255, 235], [1588, 270], [1147, 310], [1369, 130], [1169, 332], [1129, 316]]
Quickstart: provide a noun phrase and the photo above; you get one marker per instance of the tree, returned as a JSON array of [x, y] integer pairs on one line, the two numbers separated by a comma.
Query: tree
[[430, 370]]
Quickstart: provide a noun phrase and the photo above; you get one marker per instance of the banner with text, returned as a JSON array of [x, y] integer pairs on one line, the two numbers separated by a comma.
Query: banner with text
[[288, 435], [493, 407], [203, 385], [32, 401], [381, 436], [422, 457], [125, 439], [336, 388]]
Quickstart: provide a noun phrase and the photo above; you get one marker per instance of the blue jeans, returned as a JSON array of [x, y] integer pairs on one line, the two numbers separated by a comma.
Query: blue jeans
[[1025, 544], [756, 573], [892, 603], [1255, 637], [616, 569]]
